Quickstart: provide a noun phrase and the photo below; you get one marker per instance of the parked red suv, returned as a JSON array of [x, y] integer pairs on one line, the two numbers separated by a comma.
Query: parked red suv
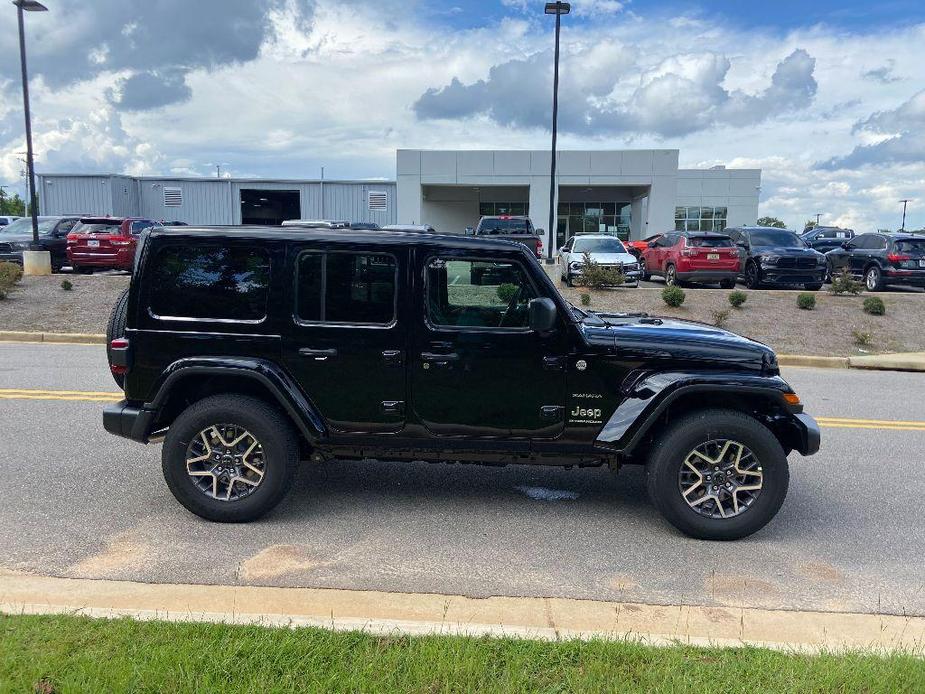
[[104, 243], [690, 256]]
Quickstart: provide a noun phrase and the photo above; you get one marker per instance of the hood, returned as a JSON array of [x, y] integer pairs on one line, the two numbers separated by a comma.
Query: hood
[[613, 258], [784, 250], [18, 238], [644, 338]]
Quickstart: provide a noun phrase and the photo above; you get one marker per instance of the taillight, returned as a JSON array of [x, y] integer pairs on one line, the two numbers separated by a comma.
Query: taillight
[[120, 243], [898, 258], [118, 355], [539, 248]]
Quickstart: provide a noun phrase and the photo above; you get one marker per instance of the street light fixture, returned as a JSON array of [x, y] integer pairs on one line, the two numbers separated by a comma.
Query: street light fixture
[[904, 202], [23, 6], [558, 9]]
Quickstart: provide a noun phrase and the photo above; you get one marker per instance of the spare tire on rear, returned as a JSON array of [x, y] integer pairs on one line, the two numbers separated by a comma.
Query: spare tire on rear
[[116, 328]]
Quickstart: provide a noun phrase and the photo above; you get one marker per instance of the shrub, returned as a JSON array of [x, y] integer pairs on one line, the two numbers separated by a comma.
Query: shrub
[[594, 276], [806, 301], [507, 292], [673, 296], [862, 338], [585, 299], [720, 317], [843, 283], [10, 274], [874, 306], [737, 298], [66, 285]]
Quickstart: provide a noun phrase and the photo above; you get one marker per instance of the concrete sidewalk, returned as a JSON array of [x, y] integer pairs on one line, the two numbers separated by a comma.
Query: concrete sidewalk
[[903, 361], [427, 613]]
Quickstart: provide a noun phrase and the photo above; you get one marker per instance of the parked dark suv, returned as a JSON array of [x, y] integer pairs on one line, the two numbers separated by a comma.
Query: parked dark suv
[[825, 239], [252, 349], [882, 259], [771, 256], [17, 237]]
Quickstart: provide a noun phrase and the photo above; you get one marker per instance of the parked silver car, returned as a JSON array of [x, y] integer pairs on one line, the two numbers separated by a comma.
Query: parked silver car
[[607, 251]]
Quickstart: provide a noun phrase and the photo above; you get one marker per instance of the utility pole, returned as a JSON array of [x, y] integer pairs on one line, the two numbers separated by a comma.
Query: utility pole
[[904, 202], [818, 215], [558, 9], [321, 192]]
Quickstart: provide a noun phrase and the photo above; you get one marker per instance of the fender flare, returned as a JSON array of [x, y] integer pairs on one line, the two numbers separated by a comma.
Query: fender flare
[[651, 394], [279, 384]]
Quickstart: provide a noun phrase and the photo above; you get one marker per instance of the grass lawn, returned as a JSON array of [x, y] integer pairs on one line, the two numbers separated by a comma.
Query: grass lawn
[[77, 654]]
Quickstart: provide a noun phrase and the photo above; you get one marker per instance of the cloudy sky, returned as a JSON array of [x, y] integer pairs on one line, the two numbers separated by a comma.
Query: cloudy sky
[[827, 97]]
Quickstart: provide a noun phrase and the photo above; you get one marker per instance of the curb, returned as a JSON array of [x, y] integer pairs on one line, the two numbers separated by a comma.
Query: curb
[[55, 338], [818, 362], [431, 613]]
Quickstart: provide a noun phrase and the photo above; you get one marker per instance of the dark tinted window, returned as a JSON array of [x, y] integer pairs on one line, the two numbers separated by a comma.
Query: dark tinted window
[[709, 242], [914, 247], [210, 283], [492, 227], [141, 225], [66, 225], [478, 294], [99, 228], [346, 288], [771, 237], [866, 241]]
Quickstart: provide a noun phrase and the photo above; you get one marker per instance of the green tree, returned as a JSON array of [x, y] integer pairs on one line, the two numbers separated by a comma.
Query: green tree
[[810, 224], [771, 222], [12, 205]]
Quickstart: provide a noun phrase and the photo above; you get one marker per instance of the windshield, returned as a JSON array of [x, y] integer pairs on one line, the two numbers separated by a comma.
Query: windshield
[[101, 228], [598, 246], [770, 237], [709, 242], [911, 247], [24, 226], [504, 226]]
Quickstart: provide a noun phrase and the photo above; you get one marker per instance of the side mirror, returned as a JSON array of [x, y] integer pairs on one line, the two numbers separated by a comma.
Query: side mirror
[[542, 314], [540, 232]]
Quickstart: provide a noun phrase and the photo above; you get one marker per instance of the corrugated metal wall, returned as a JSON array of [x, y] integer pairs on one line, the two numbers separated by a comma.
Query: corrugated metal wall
[[208, 201], [75, 194]]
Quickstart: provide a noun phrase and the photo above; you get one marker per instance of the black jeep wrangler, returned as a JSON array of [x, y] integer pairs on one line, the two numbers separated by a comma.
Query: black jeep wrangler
[[249, 350]]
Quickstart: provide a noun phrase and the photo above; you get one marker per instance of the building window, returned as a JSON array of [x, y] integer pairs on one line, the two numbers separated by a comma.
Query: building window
[[495, 209], [699, 218], [596, 217], [173, 197], [377, 201]]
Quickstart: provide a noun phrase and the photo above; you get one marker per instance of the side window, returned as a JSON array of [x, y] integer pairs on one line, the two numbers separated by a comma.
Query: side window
[[209, 283], [66, 225], [478, 294], [863, 241], [140, 225], [353, 288], [878, 243]]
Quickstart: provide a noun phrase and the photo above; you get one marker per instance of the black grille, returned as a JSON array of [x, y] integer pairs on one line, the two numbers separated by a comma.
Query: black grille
[[5, 248], [802, 263]]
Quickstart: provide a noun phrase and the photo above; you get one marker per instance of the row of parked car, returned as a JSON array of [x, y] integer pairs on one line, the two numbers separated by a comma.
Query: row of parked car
[[85, 243], [758, 256]]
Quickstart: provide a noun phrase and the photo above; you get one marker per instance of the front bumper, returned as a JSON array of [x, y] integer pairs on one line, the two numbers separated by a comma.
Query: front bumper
[[772, 275], [128, 421], [806, 437], [630, 275]]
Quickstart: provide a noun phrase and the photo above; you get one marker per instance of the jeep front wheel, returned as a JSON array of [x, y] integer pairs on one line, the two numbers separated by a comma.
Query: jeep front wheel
[[717, 475], [230, 458]]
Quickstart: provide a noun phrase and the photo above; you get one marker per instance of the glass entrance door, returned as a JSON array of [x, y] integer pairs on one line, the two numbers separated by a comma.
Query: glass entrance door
[[562, 234]]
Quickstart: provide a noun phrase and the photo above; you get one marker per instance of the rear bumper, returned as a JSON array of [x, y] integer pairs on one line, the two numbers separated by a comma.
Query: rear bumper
[[913, 278], [806, 434], [707, 276], [127, 421], [120, 260]]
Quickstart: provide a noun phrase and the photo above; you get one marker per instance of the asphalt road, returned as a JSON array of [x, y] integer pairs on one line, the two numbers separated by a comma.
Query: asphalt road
[[75, 501]]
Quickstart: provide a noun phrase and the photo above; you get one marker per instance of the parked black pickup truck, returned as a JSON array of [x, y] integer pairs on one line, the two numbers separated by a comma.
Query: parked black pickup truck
[[512, 228], [250, 350]]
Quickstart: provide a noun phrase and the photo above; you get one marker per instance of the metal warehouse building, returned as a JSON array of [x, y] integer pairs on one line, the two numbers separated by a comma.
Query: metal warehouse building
[[628, 193]]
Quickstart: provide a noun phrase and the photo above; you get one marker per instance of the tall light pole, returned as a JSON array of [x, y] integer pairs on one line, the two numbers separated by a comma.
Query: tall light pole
[[558, 9], [818, 215], [37, 266], [904, 202]]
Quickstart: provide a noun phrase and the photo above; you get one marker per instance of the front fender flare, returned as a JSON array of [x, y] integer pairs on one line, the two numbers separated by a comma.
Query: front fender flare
[[647, 397], [279, 384]]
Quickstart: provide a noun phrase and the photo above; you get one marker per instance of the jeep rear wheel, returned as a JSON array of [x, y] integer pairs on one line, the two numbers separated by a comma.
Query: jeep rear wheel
[[230, 458], [717, 475]]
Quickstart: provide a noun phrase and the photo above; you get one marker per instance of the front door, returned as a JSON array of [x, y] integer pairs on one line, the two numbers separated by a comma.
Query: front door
[[477, 370], [347, 345]]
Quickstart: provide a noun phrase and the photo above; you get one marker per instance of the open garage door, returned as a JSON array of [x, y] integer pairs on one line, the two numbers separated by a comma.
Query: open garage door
[[270, 207]]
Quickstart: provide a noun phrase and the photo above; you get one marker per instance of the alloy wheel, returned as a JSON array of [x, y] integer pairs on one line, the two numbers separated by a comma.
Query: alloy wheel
[[670, 276], [873, 279], [225, 462], [720, 478]]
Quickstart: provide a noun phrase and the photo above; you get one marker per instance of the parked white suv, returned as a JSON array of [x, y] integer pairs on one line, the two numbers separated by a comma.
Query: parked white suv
[[605, 250]]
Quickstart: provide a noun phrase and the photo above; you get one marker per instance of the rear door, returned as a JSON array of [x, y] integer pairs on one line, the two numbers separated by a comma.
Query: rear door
[[347, 343], [477, 368]]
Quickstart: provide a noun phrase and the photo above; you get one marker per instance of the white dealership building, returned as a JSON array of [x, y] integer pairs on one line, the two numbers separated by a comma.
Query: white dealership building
[[629, 193]]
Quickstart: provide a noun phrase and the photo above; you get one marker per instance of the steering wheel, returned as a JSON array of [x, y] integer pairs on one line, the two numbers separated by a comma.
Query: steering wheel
[[511, 305]]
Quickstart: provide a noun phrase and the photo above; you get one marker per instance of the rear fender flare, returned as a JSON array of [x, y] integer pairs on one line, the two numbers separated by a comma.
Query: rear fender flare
[[276, 381]]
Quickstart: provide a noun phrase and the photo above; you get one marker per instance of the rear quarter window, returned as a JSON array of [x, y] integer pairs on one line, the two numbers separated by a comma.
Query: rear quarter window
[[209, 283]]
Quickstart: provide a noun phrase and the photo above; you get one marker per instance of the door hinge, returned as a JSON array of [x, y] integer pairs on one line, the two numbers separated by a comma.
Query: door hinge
[[553, 413]]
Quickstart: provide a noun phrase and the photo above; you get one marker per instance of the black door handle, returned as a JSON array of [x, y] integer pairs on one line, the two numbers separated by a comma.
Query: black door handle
[[318, 354], [392, 357], [432, 356]]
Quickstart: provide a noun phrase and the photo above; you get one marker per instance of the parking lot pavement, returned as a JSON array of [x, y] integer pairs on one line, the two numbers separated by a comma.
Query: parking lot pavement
[[78, 502]]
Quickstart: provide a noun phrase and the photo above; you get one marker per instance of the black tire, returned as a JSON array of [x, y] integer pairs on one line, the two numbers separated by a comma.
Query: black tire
[[671, 276], [674, 445], [727, 284], [873, 279], [752, 276], [813, 286], [116, 328], [272, 429], [569, 281], [643, 270]]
